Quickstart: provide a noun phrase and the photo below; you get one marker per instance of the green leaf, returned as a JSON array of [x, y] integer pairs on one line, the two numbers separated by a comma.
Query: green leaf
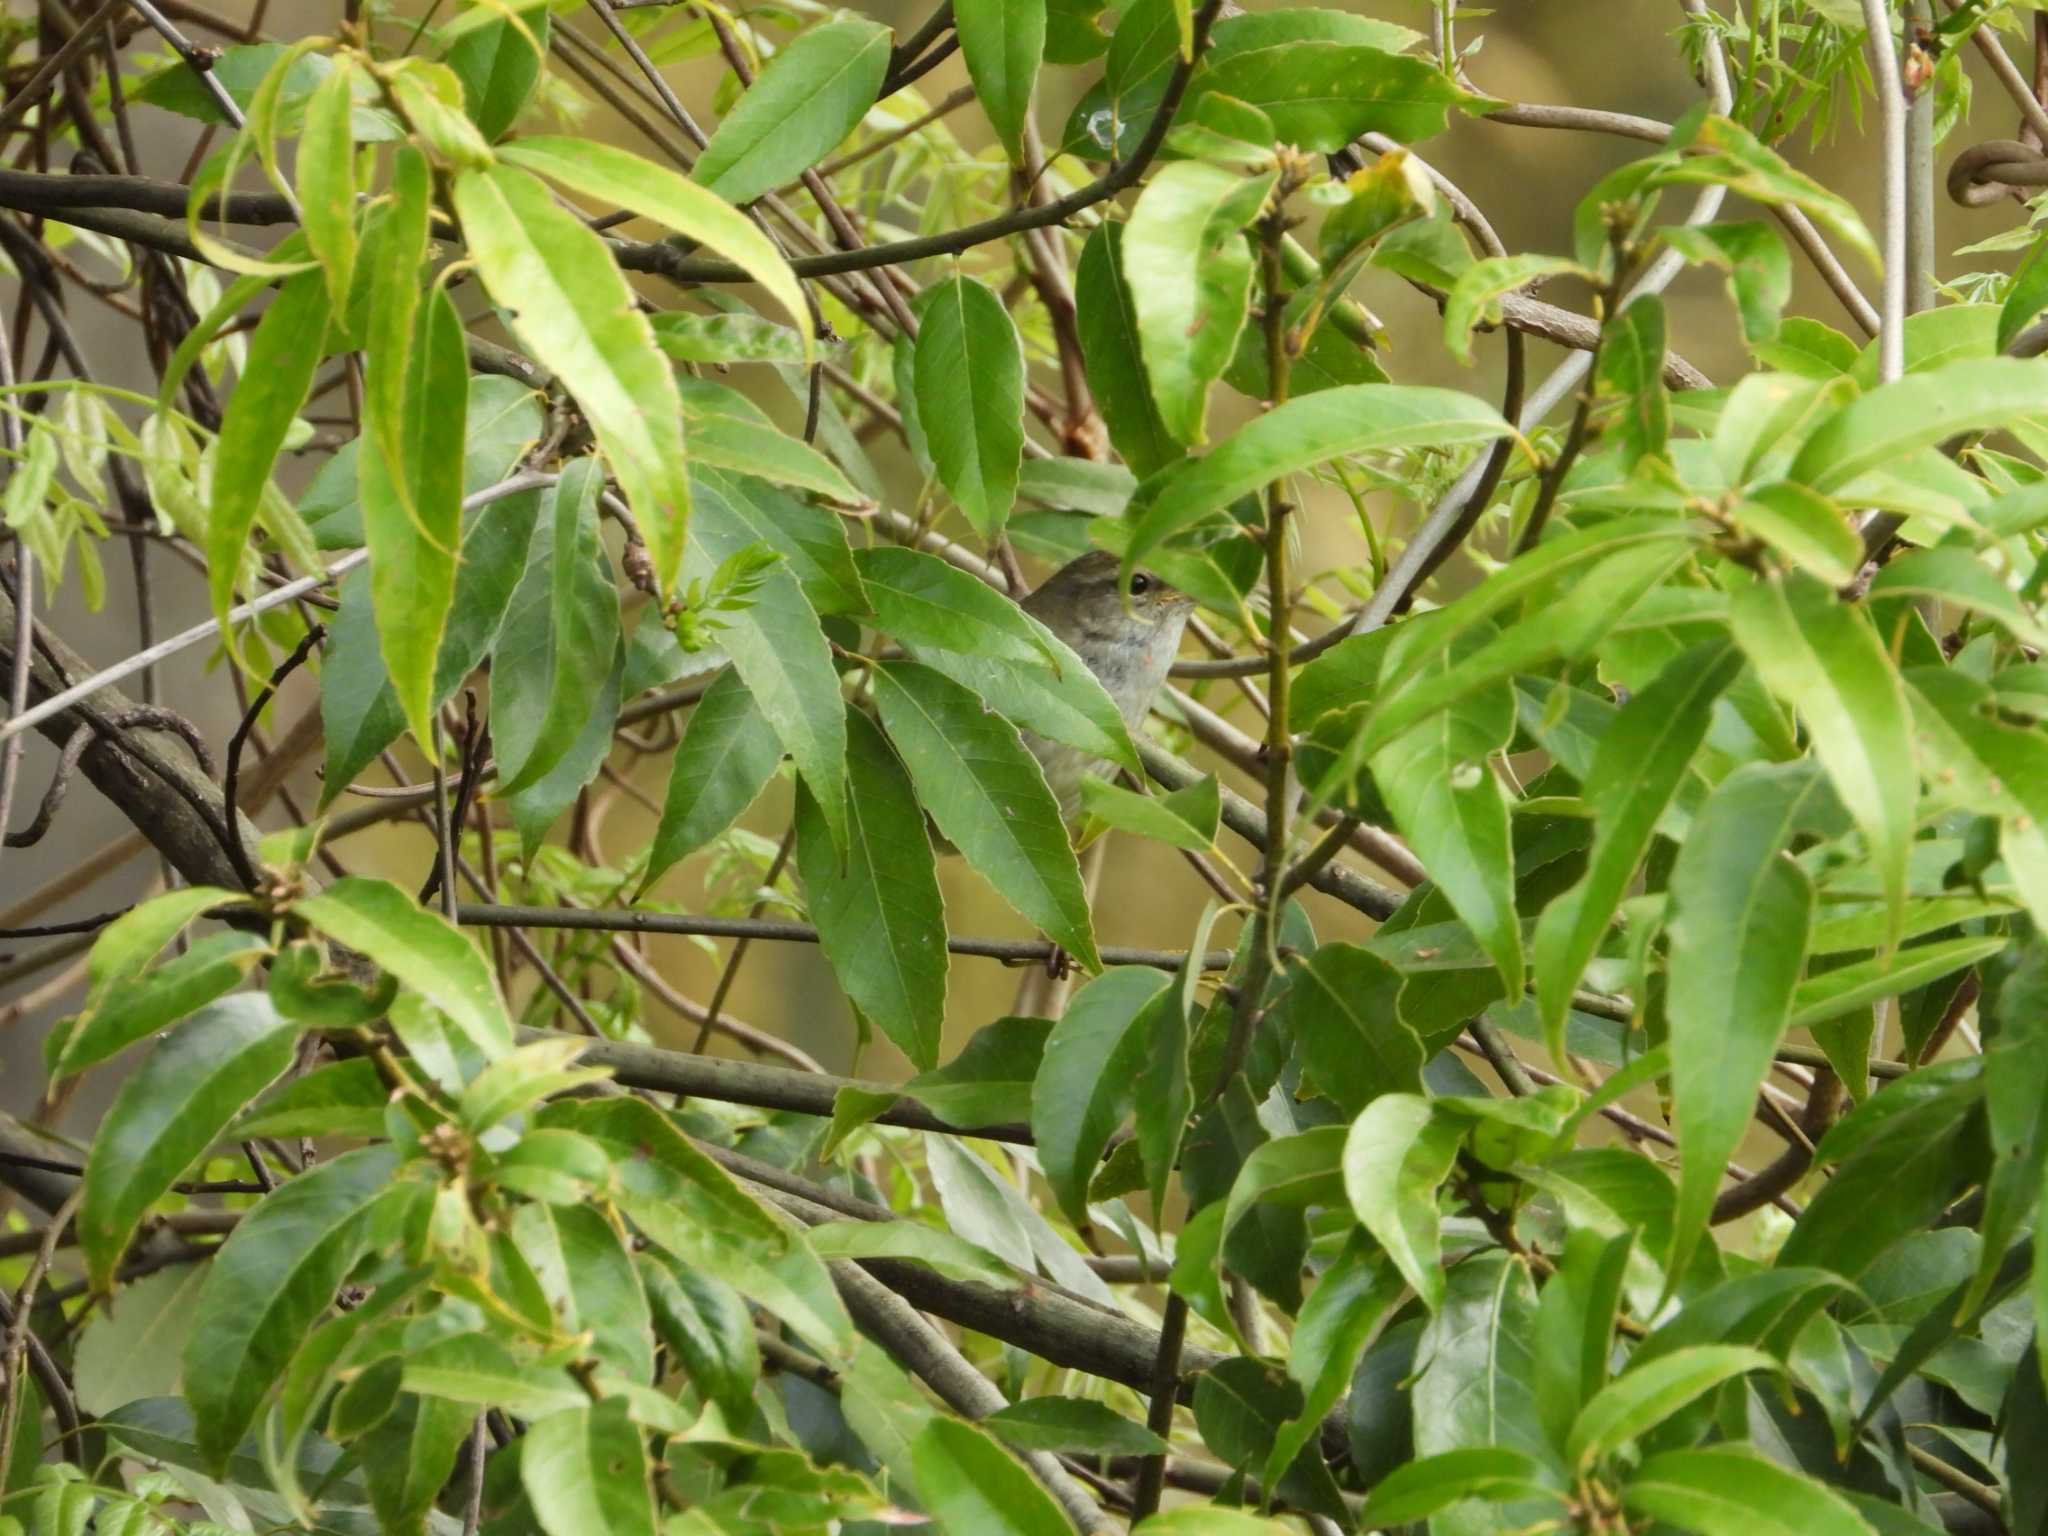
[[970, 398], [728, 754], [1186, 818], [1294, 1171], [730, 442], [1737, 925], [780, 653], [983, 641], [1087, 1078], [1805, 527], [136, 1351], [570, 308], [284, 351], [1824, 658], [2025, 298], [990, 1078], [498, 63], [327, 180], [1722, 152], [1637, 768], [880, 917], [1075, 1425], [1728, 1490], [409, 1458], [988, 798], [1321, 95], [137, 1007], [1438, 780], [1003, 42], [726, 338], [1475, 298], [1396, 1155], [1951, 574], [733, 511], [343, 1098], [811, 95], [411, 487], [687, 1204], [1189, 276], [1357, 418], [970, 1483], [1643, 1397], [1108, 322], [270, 1282], [1916, 411], [475, 1368], [560, 639], [1340, 1003], [1926, 1149], [126, 946], [1240, 1406], [420, 948], [1834, 993], [707, 1326], [1632, 366], [1343, 1314], [586, 1273], [1476, 1381], [168, 1114], [515, 1082], [537, 806], [1759, 268], [922, 601], [1991, 768], [585, 1470], [1494, 1473], [938, 1251], [591, 168]]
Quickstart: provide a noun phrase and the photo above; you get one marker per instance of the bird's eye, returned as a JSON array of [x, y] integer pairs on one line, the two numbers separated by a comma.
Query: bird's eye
[[1140, 584]]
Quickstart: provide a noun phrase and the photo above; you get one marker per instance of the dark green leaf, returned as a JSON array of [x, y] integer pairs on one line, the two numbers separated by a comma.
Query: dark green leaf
[[1076, 1425], [990, 1080], [271, 1281], [1737, 930], [970, 398], [1322, 95], [879, 914], [988, 797], [728, 754], [1108, 323], [132, 1009], [1003, 42], [811, 95], [1087, 1078], [168, 1114], [1640, 763], [1340, 1004]]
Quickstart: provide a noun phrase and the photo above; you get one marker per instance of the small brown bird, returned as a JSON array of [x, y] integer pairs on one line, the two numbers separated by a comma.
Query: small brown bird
[[1128, 645]]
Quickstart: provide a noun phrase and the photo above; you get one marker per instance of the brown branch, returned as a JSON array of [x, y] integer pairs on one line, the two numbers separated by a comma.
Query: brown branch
[[613, 920]]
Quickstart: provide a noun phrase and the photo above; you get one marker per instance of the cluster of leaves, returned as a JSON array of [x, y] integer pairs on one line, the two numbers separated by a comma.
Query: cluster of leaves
[[1688, 770]]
